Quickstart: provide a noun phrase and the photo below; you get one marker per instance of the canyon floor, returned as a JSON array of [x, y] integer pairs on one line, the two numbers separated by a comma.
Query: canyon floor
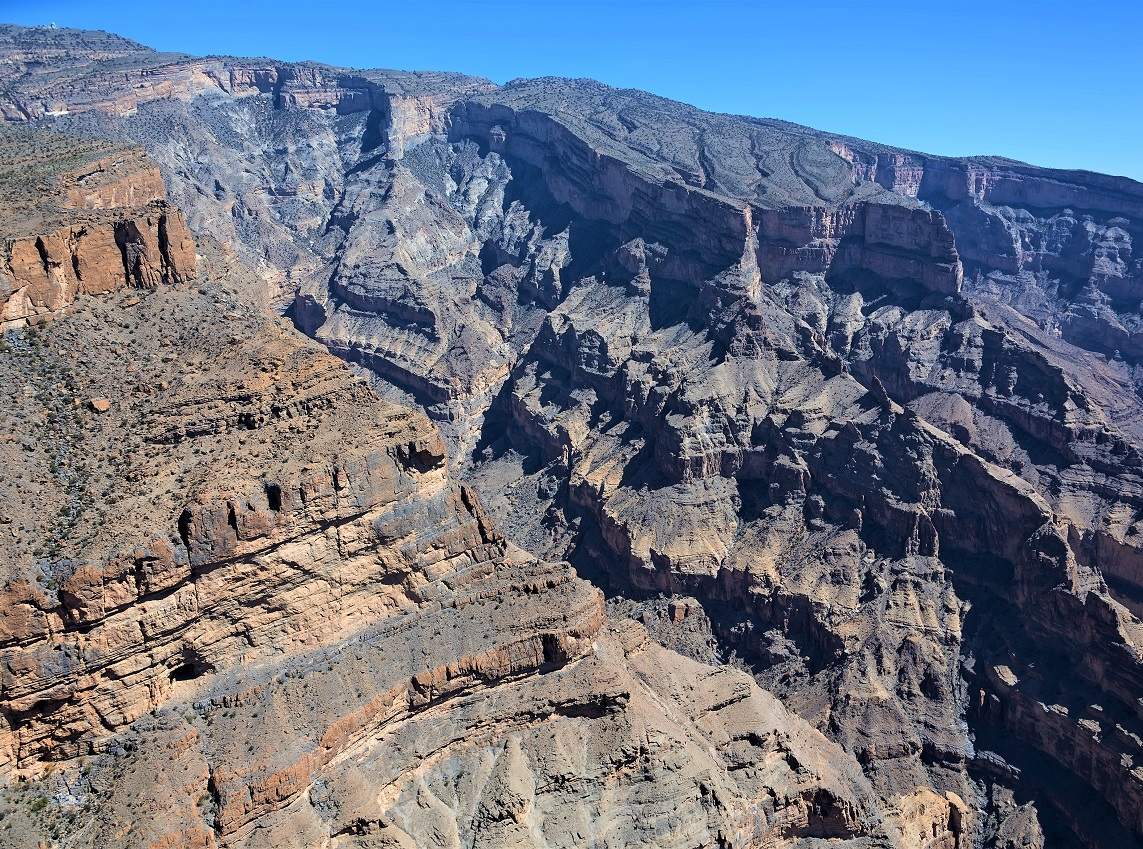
[[396, 459]]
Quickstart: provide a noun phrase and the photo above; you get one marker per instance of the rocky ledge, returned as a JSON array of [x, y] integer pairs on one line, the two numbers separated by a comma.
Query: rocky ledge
[[245, 604], [81, 220], [874, 414]]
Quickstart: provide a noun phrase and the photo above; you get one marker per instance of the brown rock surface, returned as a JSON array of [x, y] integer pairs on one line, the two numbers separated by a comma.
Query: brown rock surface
[[78, 224], [874, 413], [245, 605]]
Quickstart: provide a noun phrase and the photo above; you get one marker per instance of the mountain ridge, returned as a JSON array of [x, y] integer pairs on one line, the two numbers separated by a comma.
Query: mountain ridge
[[865, 420], [172, 57]]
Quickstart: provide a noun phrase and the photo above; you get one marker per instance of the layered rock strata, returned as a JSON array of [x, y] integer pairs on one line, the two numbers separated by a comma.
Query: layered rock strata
[[95, 224], [877, 411], [244, 604]]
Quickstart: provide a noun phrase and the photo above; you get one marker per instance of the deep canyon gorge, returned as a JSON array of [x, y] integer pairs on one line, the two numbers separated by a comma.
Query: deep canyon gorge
[[398, 459]]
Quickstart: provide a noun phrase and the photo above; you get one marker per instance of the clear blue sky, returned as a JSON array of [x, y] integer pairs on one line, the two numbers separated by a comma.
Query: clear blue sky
[[1052, 83]]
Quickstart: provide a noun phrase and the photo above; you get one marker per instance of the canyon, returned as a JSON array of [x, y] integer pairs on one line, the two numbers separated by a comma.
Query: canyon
[[399, 459]]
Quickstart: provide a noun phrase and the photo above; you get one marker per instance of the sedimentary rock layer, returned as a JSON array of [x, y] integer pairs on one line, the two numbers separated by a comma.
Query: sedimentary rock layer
[[94, 224], [244, 604], [876, 411]]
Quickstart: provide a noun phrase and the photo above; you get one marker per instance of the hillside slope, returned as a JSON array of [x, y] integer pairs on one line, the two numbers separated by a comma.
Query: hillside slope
[[871, 417]]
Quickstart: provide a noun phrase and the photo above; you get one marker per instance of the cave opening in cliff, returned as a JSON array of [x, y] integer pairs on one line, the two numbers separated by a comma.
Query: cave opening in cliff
[[193, 666]]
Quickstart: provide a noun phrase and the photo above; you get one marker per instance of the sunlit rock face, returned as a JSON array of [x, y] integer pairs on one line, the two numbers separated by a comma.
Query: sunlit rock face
[[874, 414]]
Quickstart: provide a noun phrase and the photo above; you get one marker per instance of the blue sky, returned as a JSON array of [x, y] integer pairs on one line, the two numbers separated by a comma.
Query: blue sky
[[1052, 83]]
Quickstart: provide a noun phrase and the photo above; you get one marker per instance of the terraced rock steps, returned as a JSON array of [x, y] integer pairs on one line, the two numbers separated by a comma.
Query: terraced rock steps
[[875, 411]]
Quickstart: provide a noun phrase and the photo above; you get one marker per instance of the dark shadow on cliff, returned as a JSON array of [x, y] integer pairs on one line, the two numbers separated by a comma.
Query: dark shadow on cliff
[[1071, 812]]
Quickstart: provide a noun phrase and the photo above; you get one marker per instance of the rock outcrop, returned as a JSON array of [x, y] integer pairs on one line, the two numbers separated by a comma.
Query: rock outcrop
[[876, 412], [245, 604], [102, 224]]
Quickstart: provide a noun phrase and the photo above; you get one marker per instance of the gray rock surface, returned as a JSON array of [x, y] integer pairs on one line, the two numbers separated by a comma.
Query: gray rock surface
[[244, 604], [876, 411]]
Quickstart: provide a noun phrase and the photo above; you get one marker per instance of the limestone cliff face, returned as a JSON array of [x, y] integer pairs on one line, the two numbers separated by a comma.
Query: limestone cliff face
[[244, 604], [102, 226], [120, 181], [707, 229], [43, 274], [875, 410]]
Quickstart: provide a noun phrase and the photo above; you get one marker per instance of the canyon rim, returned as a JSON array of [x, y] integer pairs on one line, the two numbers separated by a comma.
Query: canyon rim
[[398, 459]]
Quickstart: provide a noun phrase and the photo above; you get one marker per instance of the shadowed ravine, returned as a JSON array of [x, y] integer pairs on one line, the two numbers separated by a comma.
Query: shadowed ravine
[[862, 421]]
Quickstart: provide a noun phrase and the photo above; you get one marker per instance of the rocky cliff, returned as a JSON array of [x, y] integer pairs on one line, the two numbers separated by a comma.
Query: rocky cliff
[[245, 604], [77, 223], [873, 413]]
